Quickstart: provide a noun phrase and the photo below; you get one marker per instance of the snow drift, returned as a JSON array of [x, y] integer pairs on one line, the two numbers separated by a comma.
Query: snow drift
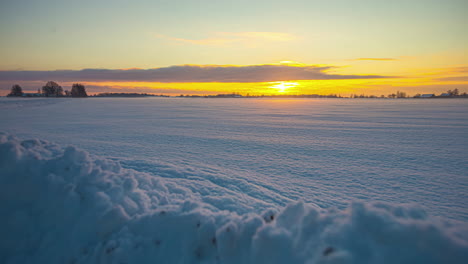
[[61, 205]]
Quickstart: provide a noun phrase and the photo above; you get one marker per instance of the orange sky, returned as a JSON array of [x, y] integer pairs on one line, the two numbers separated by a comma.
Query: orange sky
[[417, 46]]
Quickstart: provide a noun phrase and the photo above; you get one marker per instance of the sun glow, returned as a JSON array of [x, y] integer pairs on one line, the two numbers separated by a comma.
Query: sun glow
[[284, 86]]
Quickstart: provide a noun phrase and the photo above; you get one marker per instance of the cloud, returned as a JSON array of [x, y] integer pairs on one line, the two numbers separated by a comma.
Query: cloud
[[375, 59], [454, 79], [162, 90], [188, 74], [461, 69], [234, 38]]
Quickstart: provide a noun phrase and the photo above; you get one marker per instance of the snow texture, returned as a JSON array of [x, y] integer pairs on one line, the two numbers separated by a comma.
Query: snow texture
[[62, 205], [248, 155]]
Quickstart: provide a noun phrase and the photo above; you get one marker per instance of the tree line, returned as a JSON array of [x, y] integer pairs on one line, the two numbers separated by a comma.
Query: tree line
[[53, 89], [449, 94]]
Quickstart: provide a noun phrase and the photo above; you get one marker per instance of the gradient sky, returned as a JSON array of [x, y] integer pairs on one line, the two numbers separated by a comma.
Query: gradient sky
[[417, 46]]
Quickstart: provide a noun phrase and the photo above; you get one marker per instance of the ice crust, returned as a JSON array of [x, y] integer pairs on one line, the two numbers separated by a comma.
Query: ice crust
[[63, 205]]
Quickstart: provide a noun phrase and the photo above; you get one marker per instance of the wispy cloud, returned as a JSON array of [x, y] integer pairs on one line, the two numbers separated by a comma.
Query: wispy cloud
[[375, 59], [189, 74], [454, 79], [461, 69], [234, 38]]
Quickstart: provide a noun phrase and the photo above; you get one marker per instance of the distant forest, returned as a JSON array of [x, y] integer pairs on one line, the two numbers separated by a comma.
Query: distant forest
[[53, 89]]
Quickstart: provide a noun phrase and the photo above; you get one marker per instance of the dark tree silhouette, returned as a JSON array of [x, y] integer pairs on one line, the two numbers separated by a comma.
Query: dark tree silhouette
[[455, 92], [52, 89], [16, 90], [400, 94], [78, 90]]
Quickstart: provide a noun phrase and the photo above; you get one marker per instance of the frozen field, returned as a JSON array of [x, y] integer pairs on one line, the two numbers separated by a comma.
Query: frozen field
[[379, 181]]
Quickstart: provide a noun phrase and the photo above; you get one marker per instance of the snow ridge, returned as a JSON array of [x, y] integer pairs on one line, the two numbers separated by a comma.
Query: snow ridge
[[62, 205]]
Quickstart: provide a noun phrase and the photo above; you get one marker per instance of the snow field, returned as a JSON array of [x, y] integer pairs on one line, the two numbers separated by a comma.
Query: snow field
[[62, 205]]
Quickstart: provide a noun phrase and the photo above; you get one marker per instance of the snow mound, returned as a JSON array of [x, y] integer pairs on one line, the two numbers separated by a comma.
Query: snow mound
[[61, 205]]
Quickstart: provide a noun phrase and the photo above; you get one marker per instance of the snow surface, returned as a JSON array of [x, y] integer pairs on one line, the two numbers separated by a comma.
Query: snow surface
[[233, 181], [60, 205], [267, 153]]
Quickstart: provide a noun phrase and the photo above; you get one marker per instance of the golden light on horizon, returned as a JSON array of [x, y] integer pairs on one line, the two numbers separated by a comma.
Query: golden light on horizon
[[283, 87], [435, 81]]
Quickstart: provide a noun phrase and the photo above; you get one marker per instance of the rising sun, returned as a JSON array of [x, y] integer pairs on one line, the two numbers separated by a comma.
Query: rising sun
[[283, 86]]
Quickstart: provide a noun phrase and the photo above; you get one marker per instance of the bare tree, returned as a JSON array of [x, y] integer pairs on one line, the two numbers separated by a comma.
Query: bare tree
[[455, 92], [400, 94], [52, 89], [16, 90], [78, 90]]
